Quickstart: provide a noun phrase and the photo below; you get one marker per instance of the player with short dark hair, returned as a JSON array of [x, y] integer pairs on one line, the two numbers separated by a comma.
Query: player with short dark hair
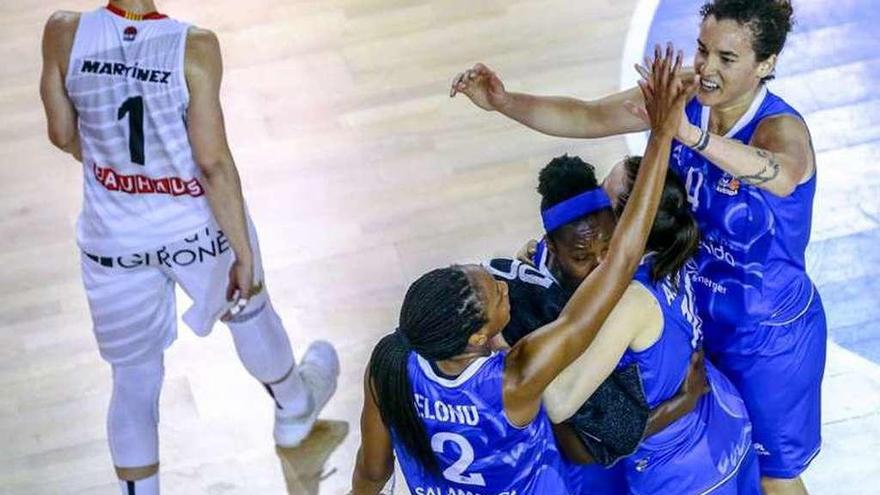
[[616, 417], [654, 326]]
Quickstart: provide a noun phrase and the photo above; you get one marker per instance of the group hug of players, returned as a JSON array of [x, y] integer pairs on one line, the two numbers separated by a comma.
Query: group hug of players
[[662, 337], [578, 367]]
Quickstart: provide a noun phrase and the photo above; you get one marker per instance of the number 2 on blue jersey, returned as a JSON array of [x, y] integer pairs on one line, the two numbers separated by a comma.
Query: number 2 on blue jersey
[[455, 472]]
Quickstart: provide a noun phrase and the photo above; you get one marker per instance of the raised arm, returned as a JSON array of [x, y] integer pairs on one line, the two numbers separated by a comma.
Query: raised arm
[[61, 116], [695, 385], [554, 115], [538, 358], [207, 136], [779, 157]]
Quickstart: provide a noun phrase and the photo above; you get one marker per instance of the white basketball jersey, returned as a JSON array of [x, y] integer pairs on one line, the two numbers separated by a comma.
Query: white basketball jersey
[[141, 186]]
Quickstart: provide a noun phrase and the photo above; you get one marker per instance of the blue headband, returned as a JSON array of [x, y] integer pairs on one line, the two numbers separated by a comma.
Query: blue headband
[[573, 208]]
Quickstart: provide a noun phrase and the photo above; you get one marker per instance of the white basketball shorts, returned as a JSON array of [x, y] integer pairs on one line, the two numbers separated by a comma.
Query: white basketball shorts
[[132, 301]]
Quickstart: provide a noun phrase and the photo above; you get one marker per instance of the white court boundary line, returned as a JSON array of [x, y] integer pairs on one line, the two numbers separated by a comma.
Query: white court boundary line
[[633, 52]]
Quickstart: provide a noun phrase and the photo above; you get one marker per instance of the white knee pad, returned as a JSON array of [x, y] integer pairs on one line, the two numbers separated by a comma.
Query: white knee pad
[[133, 418], [261, 342]]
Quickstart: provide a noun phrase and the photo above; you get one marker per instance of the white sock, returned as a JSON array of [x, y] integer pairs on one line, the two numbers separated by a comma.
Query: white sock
[[264, 349], [290, 394], [146, 486]]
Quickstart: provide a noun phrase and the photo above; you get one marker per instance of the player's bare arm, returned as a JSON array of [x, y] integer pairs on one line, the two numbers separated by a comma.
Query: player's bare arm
[[554, 115], [636, 313], [61, 117], [557, 115], [375, 458], [635, 322], [539, 357], [207, 135], [778, 158], [695, 385]]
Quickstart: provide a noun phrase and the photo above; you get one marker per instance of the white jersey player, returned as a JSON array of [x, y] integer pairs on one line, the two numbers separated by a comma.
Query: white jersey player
[[134, 96]]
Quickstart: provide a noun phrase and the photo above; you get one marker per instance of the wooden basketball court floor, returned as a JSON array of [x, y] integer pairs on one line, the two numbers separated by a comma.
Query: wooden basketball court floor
[[360, 174]]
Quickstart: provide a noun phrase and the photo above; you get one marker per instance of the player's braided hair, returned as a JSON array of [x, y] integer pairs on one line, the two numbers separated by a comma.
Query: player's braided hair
[[675, 236], [769, 21], [440, 311], [563, 178]]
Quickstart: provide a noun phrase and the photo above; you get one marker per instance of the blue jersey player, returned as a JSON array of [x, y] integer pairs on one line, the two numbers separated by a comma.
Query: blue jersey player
[[654, 326], [616, 418], [464, 419], [747, 161]]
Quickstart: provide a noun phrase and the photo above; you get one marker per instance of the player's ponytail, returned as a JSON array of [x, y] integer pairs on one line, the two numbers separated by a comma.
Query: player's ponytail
[[440, 311], [675, 236]]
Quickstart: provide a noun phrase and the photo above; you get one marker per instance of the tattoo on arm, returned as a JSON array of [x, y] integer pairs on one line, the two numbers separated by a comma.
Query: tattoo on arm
[[769, 172]]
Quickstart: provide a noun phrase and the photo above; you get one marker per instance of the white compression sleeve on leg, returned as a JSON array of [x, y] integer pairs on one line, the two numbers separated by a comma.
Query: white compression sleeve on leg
[[133, 418], [264, 349]]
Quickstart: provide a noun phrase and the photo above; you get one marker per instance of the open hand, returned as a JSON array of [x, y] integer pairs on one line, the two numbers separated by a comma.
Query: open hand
[[482, 86], [666, 89]]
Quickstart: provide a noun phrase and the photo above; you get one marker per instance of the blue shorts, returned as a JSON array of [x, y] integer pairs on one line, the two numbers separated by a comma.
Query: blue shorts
[[746, 481], [707, 451], [778, 371], [593, 479]]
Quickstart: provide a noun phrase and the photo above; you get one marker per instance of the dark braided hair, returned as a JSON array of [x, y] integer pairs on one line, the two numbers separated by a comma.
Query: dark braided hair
[[440, 311], [769, 21], [675, 236], [563, 178]]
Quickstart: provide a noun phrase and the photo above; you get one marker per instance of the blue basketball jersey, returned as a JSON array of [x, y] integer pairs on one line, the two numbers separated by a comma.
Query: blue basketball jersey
[[664, 364], [704, 448], [478, 451], [612, 421], [751, 258]]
